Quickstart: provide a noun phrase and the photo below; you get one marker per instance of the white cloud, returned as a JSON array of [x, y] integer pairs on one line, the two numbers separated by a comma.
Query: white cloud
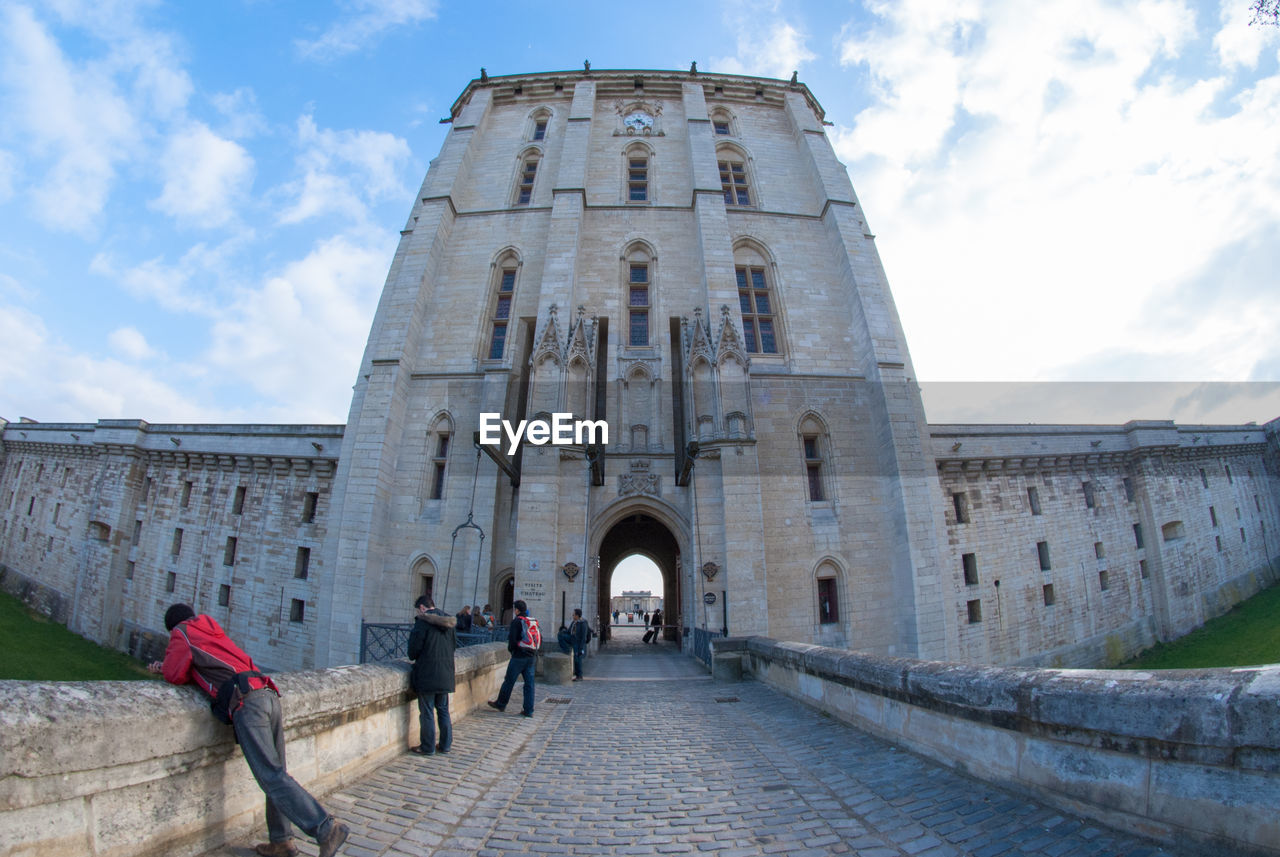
[[77, 120], [1050, 154], [297, 338], [131, 344], [204, 176], [344, 171], [240, 111], [364, 23], [766, 46]]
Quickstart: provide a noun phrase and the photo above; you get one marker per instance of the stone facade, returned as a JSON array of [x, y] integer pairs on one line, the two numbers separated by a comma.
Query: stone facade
[[683, 257]]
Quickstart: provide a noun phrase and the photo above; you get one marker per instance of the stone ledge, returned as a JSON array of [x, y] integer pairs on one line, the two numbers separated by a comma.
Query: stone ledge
[[110, 761], [1191, 754]]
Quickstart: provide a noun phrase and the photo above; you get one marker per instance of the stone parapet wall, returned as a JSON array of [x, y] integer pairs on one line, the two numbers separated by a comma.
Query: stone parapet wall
[[1178, 755], [143, 768]]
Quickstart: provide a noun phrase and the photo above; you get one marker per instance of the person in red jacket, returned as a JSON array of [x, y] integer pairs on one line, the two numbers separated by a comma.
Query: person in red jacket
[[201, 653]]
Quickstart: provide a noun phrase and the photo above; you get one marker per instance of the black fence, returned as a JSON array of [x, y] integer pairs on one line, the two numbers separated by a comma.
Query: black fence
[[387, 641]]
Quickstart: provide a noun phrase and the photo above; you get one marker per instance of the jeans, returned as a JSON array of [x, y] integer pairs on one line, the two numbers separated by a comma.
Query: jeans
[[578, 656], [433, 707], [260, 731], [522, 666]]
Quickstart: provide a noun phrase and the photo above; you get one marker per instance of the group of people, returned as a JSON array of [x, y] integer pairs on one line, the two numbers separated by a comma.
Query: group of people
[[199, 652], [480, 620]]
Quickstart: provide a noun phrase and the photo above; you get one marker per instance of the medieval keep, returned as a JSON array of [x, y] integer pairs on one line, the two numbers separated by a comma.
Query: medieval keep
[[677, 260]]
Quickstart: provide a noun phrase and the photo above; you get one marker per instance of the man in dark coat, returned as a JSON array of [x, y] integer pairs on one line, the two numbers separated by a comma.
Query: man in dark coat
[[521, 665], [577, 637], [431, 647]]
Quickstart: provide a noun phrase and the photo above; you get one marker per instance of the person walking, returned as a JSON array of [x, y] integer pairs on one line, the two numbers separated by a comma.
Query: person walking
[[524, 638], [201, 653], [655, 623], [578, 640], [432, 644]]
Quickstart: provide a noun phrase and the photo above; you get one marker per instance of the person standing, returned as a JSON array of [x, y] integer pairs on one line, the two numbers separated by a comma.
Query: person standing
[[578, 642], [201, 653], [523, 640], [432, 644], [464, 620]]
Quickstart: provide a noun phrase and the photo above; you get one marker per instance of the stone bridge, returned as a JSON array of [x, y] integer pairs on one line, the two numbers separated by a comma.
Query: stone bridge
[[814, 751]]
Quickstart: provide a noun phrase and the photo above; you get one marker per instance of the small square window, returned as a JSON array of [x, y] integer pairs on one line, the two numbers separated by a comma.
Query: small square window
[[721, 127], [970, 564], [297, 610], [974, 608]]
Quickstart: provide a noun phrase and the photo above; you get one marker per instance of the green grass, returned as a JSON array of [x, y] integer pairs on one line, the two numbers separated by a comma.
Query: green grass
[[1247, 635], [35, 648]]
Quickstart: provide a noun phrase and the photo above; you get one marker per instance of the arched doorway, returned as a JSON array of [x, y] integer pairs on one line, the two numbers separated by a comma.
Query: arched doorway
[[645, 535]]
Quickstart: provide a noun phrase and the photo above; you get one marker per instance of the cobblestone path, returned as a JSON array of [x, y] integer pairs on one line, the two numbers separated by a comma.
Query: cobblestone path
[[648, 756]]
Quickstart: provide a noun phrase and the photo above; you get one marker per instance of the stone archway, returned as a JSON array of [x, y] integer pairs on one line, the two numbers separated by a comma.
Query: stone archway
[[646, 535]]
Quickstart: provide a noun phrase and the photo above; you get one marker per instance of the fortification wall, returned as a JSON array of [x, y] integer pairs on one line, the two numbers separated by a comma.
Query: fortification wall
[[1083, 545], [142, 768], [1191, 755]]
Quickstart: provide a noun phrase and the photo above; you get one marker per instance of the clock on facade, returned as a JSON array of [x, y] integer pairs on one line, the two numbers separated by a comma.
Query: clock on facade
[[638, 122]]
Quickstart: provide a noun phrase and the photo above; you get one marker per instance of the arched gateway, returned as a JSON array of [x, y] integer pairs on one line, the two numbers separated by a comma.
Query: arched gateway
[[640, 532]]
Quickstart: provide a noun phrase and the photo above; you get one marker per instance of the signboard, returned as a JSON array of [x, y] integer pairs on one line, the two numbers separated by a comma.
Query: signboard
[[709, 598]]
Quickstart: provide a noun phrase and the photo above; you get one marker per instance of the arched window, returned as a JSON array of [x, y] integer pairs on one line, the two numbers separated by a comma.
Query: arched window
[[438, 445], [528, 173], [827, 579], [734, 179], [539, 121], [504, 300], [638, 271], [814, 446], [756, 303], [638, 166], [722, 123]]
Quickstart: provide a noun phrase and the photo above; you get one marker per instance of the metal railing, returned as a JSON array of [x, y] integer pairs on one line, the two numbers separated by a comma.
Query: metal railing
[[702, 644], [389, 641]]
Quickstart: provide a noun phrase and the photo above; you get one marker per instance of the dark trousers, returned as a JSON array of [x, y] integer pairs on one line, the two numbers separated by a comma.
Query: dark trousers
[[433, 708], [520, 666], [260, 731]]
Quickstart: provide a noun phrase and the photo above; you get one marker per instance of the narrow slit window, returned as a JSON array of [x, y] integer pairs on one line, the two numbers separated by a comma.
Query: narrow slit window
[[439, 463], [813, 468], [828, 601], [969, 563], [302, 563], [502, 314]]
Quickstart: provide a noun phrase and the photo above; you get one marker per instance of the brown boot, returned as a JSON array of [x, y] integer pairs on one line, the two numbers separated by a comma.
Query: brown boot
[[331, 843], [283, 848]]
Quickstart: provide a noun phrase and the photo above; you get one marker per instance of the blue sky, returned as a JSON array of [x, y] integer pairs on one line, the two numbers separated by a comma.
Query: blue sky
[[200, 201]]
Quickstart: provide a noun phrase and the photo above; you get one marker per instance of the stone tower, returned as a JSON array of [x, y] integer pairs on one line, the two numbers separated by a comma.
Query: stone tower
[[681, 256]]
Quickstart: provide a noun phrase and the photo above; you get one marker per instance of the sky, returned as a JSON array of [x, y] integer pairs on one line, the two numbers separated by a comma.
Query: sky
[[199, 202]]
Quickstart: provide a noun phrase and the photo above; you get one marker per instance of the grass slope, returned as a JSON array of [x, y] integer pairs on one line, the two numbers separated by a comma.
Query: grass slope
[[1247, 635], [38, 649]]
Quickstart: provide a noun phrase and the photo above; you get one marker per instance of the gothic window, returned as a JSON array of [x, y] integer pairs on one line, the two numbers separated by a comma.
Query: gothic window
[[524, 182], [439, 461], [538, 122], [813, 449], [501, 318], [733, 181], [828, 599], [721, 123], [638, 304], [756, 304], [637, 177], [638, 277]]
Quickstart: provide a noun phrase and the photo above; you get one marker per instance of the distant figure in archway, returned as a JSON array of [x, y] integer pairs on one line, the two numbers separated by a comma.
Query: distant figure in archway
[[655, 627]]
